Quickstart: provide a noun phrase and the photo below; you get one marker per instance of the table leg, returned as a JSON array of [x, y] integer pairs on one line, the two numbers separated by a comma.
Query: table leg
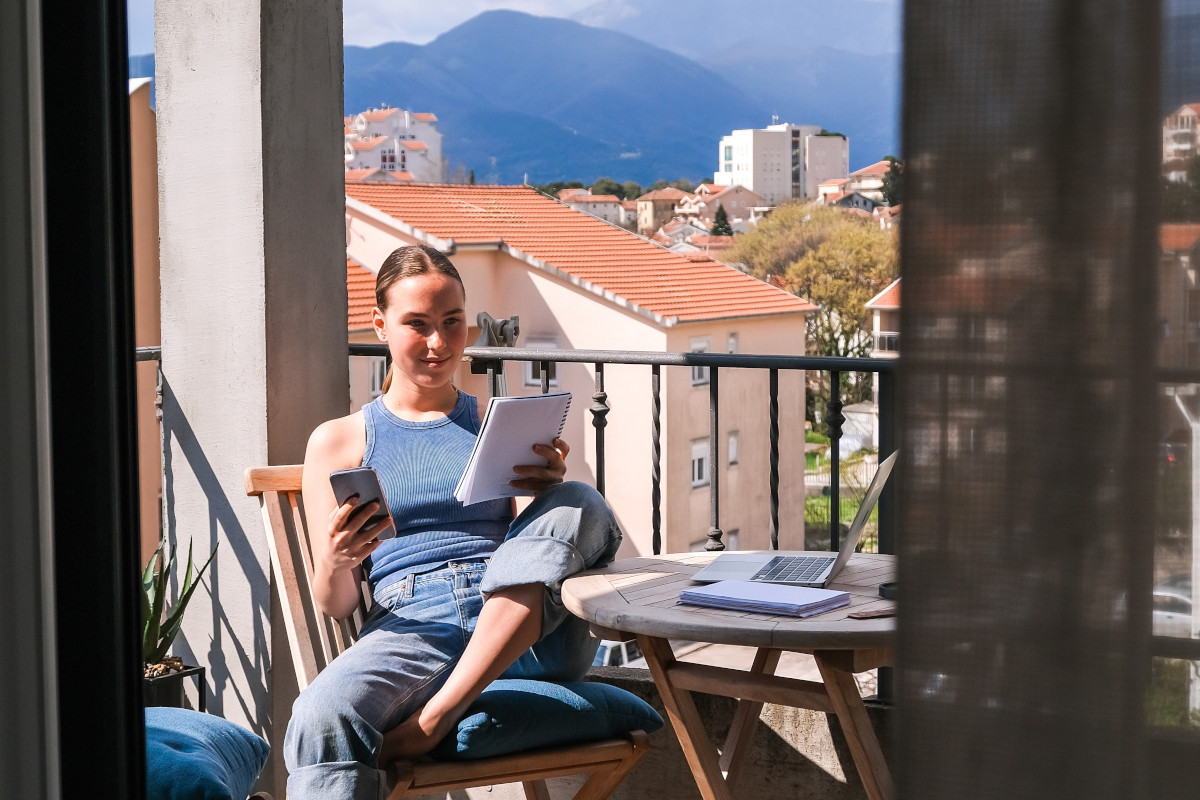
[[745, 720], [860, 734], [685, 719]]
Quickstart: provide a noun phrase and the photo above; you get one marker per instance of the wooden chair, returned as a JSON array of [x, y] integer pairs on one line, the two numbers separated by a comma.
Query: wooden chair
[[316, 639]]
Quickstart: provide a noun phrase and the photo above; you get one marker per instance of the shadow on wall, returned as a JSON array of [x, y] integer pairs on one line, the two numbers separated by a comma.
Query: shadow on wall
[[179, 438]]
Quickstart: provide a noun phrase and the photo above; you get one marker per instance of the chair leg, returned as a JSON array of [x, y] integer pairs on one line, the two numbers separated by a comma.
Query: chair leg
[[601, 783], [535, 790]]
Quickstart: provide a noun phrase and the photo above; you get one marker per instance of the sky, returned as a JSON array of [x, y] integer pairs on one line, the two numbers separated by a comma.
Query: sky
[[372, 22]]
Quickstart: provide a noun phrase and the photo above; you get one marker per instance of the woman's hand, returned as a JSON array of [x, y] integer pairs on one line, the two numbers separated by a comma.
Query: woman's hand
[[349, 542], [535, 479]]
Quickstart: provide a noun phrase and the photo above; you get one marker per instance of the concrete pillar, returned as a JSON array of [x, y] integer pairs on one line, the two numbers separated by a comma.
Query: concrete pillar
[[253, 306]]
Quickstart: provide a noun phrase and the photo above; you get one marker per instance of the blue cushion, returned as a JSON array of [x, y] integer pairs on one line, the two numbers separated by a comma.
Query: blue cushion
[[514, 715], [196, 756]]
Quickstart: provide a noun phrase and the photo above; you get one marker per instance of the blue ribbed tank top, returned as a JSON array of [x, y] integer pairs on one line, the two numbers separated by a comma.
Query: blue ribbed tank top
[[419, 464]]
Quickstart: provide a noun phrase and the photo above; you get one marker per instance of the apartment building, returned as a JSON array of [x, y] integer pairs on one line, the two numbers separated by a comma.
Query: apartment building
[[782, 161], [1181, 140], [395, 140]]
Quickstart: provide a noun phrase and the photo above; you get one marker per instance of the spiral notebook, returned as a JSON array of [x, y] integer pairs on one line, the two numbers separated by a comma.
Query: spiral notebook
[[511, 427]]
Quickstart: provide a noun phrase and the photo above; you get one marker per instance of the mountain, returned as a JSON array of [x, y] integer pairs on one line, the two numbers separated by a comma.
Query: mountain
[[1181, 68], [517, 94], [701, 27], [851, 93]]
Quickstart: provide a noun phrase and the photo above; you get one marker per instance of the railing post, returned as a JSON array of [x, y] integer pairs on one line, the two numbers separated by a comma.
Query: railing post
[[887, 445], [774, 523], [834, 420], [714, 483], [656, 460], [599, 411]]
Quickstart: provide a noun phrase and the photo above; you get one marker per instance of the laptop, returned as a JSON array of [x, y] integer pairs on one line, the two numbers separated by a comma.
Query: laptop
[[809, 569]]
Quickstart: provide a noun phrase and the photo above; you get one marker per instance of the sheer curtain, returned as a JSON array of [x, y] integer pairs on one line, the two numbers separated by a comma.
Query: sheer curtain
[[1027, 397]]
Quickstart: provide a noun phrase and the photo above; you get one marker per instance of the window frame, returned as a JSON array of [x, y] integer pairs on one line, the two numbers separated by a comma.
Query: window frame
[[700, 344], [703, 477]]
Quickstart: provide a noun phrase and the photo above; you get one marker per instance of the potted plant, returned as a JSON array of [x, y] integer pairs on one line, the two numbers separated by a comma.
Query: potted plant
[[164, 675]]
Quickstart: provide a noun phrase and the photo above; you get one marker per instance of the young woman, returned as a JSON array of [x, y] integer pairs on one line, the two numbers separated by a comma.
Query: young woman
[[463, 594]]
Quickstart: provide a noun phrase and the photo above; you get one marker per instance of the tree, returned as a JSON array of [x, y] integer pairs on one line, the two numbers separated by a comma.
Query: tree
[[721, 226], [608, 186], [893, 182], [1181, 199], [632, 190], [837, 262]]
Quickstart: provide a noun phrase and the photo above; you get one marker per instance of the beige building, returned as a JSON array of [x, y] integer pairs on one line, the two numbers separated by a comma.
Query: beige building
[[143, 151], [655, 209], [578, 283], [395, 140]]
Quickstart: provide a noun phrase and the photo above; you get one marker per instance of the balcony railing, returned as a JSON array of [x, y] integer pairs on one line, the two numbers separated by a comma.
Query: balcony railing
[[491, 359]]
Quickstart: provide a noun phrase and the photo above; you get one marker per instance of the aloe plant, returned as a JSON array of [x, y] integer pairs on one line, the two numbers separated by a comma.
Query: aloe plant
[[158, 633]]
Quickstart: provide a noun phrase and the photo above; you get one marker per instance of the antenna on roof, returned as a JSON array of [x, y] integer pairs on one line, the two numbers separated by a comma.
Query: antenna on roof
[[774, 119]]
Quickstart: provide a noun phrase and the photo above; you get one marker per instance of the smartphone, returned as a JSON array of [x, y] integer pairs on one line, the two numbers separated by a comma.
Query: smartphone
[[363, 483]]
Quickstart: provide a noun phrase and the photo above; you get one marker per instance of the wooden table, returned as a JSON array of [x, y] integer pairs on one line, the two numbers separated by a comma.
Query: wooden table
[[638, 597]]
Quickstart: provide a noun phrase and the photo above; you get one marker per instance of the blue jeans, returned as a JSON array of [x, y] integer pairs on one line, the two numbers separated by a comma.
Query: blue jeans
[[418, 629]]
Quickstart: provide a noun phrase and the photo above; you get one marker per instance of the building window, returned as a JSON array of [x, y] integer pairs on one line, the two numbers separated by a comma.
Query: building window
[[700, 374], [733, 448], [387, 159], [728, 167], [533, 369], [377, 370], [700, 462], [729, 152], [732, 344]]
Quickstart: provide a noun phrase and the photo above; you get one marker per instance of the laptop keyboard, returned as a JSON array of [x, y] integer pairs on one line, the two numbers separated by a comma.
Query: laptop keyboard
[[793, 569]]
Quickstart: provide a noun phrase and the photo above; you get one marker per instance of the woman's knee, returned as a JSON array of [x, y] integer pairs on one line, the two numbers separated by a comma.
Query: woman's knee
[[325, 729], [599, 536]]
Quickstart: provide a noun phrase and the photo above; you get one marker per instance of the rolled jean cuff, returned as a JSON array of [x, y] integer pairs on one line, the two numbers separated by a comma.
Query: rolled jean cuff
[[532, 559]]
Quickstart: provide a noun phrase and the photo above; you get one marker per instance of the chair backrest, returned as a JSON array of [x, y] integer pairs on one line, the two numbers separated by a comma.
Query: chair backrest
[[315, 638]]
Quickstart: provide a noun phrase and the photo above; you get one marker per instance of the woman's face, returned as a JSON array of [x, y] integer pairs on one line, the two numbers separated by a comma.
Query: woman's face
[[425, 328]]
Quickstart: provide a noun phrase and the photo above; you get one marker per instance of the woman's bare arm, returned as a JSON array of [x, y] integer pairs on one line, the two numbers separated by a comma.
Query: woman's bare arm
[[339, 546]]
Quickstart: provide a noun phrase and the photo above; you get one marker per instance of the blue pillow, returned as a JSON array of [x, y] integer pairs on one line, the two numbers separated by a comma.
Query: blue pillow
[[195, 756], [515, 715]]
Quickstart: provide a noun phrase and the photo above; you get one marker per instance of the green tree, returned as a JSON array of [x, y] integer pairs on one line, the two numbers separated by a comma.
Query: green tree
[[721, 226], [632, 190], [608, 186], [893, 182], [1181, 199], [837, 262]]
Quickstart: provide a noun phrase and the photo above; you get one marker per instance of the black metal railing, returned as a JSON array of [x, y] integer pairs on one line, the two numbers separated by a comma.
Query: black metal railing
[[491, 359]]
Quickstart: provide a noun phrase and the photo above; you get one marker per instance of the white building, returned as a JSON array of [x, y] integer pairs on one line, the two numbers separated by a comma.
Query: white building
[[781, 161], [1181, 140], [605, 206], [395, 140]]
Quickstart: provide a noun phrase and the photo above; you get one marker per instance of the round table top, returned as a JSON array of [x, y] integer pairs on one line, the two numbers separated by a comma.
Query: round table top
[[640, 595]]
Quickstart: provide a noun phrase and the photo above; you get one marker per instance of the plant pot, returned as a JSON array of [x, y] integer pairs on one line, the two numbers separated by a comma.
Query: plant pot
[[167, 690]]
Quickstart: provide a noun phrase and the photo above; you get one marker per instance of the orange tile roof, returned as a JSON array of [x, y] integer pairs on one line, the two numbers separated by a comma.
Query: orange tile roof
[[878, 168], [376, 114], [1178, 237], [360, 292], [834, 182], [580, 246], [710, 187], [889, 298], [424, 116], [629, 205], [563, 194], [669, 193], [414, 144], [367, 144]]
